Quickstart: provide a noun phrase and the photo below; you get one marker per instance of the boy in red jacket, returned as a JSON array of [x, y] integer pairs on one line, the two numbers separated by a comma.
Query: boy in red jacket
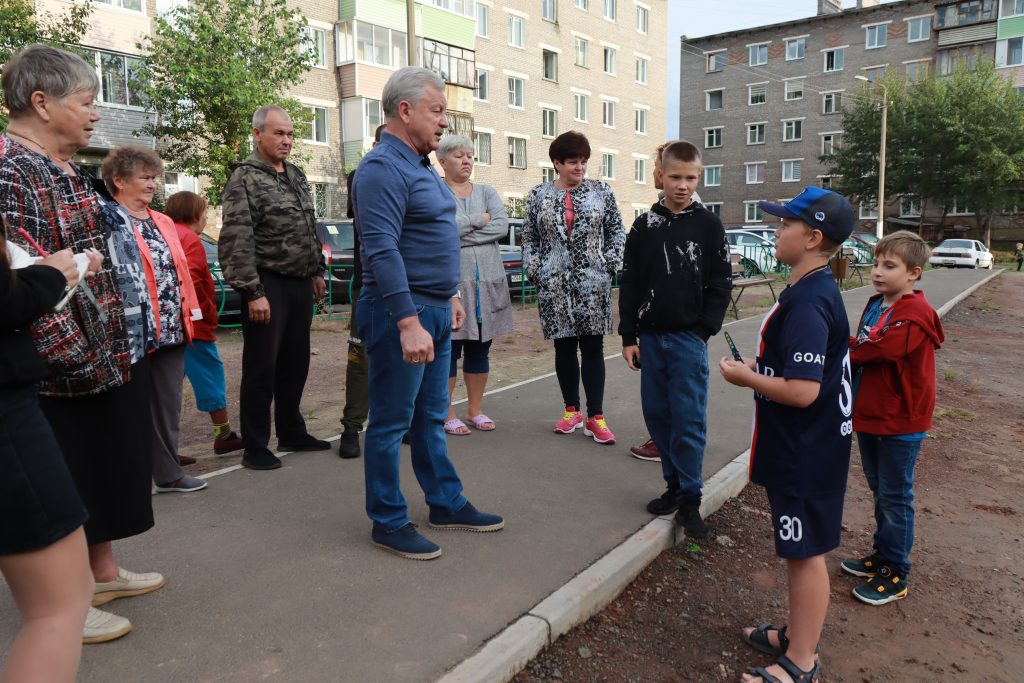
[[893, 356]]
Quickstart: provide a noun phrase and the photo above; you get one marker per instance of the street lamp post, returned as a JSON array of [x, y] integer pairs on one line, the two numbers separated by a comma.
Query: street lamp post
[[881, 156]]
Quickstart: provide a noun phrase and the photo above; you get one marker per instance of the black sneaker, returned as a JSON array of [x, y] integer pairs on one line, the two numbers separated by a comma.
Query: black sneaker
[[865, 566], [406, 542], [260, 459], [348, 446], [885, 586], [306, 442], [667, 503], [689, 518]]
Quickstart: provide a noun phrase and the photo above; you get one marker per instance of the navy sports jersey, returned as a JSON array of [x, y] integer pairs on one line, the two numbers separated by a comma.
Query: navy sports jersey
[[805, 452]]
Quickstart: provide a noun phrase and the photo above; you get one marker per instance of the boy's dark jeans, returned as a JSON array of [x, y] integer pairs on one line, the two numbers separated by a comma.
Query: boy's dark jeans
[[888, 463], [674, 394]]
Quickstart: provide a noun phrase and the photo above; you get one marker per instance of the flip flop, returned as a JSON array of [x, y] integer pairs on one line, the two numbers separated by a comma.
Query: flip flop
[[453, 426], [481, 422]]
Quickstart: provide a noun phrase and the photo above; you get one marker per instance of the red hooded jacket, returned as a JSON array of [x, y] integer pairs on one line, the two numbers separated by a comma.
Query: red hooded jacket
[[202, 279], [897, 386]]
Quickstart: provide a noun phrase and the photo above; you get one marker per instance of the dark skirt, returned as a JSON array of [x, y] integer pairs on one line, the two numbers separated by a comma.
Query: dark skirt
[[39, 504], [106, 440]]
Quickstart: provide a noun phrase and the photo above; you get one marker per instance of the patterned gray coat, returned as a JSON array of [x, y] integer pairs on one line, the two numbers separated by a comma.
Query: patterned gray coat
[[573, 272], [482, 276]]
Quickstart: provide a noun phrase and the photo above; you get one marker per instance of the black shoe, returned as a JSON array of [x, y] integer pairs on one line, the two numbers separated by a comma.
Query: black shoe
[[348, 446], [667, 503], [688, 517], [260, 459], [306, 442]]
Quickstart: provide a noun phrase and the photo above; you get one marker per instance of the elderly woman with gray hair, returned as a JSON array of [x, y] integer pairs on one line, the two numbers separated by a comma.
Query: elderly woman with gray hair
[[482, 223]]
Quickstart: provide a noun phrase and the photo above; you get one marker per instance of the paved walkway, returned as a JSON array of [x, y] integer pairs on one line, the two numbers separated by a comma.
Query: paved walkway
[[271, 575]]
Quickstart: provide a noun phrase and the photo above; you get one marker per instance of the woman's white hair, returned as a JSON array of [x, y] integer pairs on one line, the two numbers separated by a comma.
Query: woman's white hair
[[407, 84], [451, 143], [46, 69]]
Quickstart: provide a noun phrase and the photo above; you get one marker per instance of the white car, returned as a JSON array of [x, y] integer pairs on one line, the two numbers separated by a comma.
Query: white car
[[961, 253], [757, 250]]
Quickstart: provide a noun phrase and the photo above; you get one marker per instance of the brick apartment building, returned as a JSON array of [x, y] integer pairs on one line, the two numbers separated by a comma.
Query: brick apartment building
[[765, 103]]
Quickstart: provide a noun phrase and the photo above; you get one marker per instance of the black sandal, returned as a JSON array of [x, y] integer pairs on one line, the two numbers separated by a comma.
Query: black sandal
[[796, 673], [758, 639]]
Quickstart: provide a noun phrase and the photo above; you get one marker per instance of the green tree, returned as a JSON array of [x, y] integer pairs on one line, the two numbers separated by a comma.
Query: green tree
[[21, 25], [208, 66]]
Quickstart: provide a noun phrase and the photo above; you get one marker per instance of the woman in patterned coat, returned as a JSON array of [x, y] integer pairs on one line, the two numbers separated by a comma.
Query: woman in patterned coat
[[573, 240]]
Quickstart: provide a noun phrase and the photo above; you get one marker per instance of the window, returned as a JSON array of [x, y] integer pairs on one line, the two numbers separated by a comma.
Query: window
[[483, 20], [483, 85], [831, 102], [642, 19], [876, 36], [1012, 8], [363, 42], [516, 31], [716, 62], [825, 182], [641, 70], [453, 64], [314, 42], [119, 82], [867, 210], [1009, 52], [918, 29], [582, 4], [607, 166], [581, 52], [459, 123], [964, 13], [609, 60], [517, 152], [966, 57], [757, 94], [758, 54], [134, 5], [482, 148], [549, 66], [794, 90], [715, 208], [580, 105], [549, 10], [547, 174], [319, 193], [792, 130], [640, 122], [829, 143], [640, 171], [373, 114], [610, 9], [712, 176], [549, 123], [755, 133], [318, 125], [959, 208], [910, 206], [834, 59], [918, 71], [752, 212], [608, 113], [795, 48], [873, 73], [516, 96], [713, 137], [755, 172], [515, 207], [791, 170]]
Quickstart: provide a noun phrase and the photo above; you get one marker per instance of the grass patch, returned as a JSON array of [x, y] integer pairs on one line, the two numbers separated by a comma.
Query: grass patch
[[956, 414], [950, 374], [987, 305]]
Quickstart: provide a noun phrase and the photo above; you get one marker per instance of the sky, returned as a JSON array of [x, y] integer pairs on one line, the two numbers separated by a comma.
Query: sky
[[694, 18]]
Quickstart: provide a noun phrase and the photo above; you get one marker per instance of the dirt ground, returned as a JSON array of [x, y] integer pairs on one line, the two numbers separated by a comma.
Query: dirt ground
[[964, 617]]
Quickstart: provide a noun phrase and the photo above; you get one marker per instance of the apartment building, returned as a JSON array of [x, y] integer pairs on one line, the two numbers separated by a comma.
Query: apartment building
[[544, 67]]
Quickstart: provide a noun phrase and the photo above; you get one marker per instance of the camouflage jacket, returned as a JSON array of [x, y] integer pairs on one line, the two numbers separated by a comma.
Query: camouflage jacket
[[269, 222]]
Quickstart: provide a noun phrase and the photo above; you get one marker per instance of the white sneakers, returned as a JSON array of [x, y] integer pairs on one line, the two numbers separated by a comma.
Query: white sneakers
[[101, 626]]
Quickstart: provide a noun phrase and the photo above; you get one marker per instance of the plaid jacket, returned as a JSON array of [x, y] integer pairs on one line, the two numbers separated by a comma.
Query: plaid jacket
[[85, 348]]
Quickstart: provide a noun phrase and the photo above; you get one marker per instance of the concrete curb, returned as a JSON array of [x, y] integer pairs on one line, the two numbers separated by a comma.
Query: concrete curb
[[590, 591], [948, 306]]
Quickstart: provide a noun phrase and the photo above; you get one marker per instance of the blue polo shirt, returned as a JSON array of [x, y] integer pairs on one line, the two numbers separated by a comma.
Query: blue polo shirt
[[405, 216], [805, 452]]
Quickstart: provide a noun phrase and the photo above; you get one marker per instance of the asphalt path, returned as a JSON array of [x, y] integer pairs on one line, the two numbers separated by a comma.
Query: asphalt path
[[271, 575]]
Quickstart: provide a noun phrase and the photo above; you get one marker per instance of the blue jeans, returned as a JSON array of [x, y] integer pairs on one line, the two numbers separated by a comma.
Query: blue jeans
[[674, 394], [406, 398], [888, 464]]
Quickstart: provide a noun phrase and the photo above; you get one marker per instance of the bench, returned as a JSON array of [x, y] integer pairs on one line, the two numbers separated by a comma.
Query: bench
[[745, 273], [854, 266]]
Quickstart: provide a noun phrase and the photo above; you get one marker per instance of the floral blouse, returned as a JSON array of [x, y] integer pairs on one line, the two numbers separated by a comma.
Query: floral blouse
[[168, 288]]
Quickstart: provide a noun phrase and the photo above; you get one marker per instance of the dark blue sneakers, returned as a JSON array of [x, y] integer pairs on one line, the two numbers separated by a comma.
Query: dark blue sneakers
[[406, 542], [466, 519]]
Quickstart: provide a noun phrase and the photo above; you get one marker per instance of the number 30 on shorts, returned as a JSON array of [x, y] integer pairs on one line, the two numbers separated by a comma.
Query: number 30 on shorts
[[791, 528]]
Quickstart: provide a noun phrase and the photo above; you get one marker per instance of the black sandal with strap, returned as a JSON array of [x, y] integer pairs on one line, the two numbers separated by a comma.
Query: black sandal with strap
[[758, 639], [796, 673]]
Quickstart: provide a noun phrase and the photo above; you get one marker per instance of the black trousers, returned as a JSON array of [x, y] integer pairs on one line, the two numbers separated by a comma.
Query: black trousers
[[275, 361], [567, 369]]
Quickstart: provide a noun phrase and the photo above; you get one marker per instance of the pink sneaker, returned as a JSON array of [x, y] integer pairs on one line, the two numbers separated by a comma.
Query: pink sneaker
[[598, 428], [572, 420]]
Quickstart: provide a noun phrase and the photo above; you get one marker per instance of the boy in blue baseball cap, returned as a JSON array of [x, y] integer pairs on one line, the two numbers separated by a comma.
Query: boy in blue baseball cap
[[803, 402]]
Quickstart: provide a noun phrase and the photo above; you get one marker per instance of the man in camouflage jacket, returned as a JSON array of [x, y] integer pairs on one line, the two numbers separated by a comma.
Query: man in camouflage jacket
[[270, 254]]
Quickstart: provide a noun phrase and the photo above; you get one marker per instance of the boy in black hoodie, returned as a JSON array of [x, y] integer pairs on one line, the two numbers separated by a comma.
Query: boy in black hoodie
[[676, 280]]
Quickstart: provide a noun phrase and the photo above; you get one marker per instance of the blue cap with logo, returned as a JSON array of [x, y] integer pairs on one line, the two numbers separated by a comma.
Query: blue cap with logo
[[821, 209]]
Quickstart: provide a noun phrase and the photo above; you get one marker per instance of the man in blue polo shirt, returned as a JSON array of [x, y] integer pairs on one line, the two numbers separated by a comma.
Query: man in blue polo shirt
[[407, 310]]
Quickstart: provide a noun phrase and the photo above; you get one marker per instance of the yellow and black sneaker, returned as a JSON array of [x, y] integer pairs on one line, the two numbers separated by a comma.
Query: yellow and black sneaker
[[885, 586], [865, 566]]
